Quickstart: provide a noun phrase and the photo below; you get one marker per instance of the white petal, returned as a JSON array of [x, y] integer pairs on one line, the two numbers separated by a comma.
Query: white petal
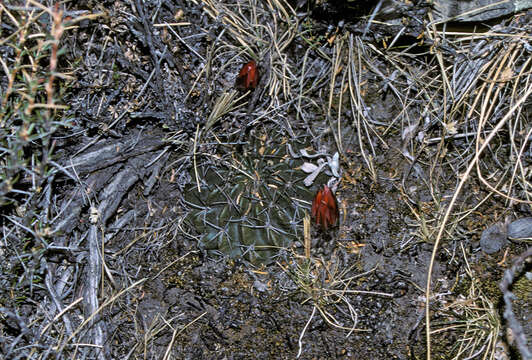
[[334, 164], [308, 167], [310, 179]]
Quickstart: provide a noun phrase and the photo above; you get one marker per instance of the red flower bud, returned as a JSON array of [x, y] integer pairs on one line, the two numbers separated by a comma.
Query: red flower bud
[[248, 77], [325, 208]]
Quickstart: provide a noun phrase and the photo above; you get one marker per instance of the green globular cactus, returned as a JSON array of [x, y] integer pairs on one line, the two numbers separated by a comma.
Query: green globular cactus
[[250, 206]]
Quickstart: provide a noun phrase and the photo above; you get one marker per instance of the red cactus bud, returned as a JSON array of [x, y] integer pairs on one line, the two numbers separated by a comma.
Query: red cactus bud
[[325, 208], [248, 77]]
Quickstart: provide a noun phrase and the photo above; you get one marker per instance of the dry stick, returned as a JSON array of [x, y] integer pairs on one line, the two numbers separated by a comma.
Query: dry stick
[[339, 120], [365, 292], [356, 105], [331, 320], [90, 293], [451, 204], [306, 235], [194, 157], [300, 340], [336, 68]]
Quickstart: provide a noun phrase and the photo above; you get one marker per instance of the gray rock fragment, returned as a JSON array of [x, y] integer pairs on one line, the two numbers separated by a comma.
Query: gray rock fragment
[[493, 238]]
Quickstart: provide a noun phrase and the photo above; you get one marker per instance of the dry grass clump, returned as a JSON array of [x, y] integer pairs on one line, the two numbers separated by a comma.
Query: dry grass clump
[[328, 285], [471, 318]]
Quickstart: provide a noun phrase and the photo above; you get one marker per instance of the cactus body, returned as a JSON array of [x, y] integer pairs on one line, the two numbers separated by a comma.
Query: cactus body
[[250, 206]]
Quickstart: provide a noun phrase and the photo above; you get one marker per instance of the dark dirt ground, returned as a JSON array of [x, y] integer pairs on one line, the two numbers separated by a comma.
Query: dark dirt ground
[[138, 96]]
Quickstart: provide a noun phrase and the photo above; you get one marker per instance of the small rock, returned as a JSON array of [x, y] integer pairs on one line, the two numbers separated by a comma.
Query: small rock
[[493, 239], [520, 229]]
